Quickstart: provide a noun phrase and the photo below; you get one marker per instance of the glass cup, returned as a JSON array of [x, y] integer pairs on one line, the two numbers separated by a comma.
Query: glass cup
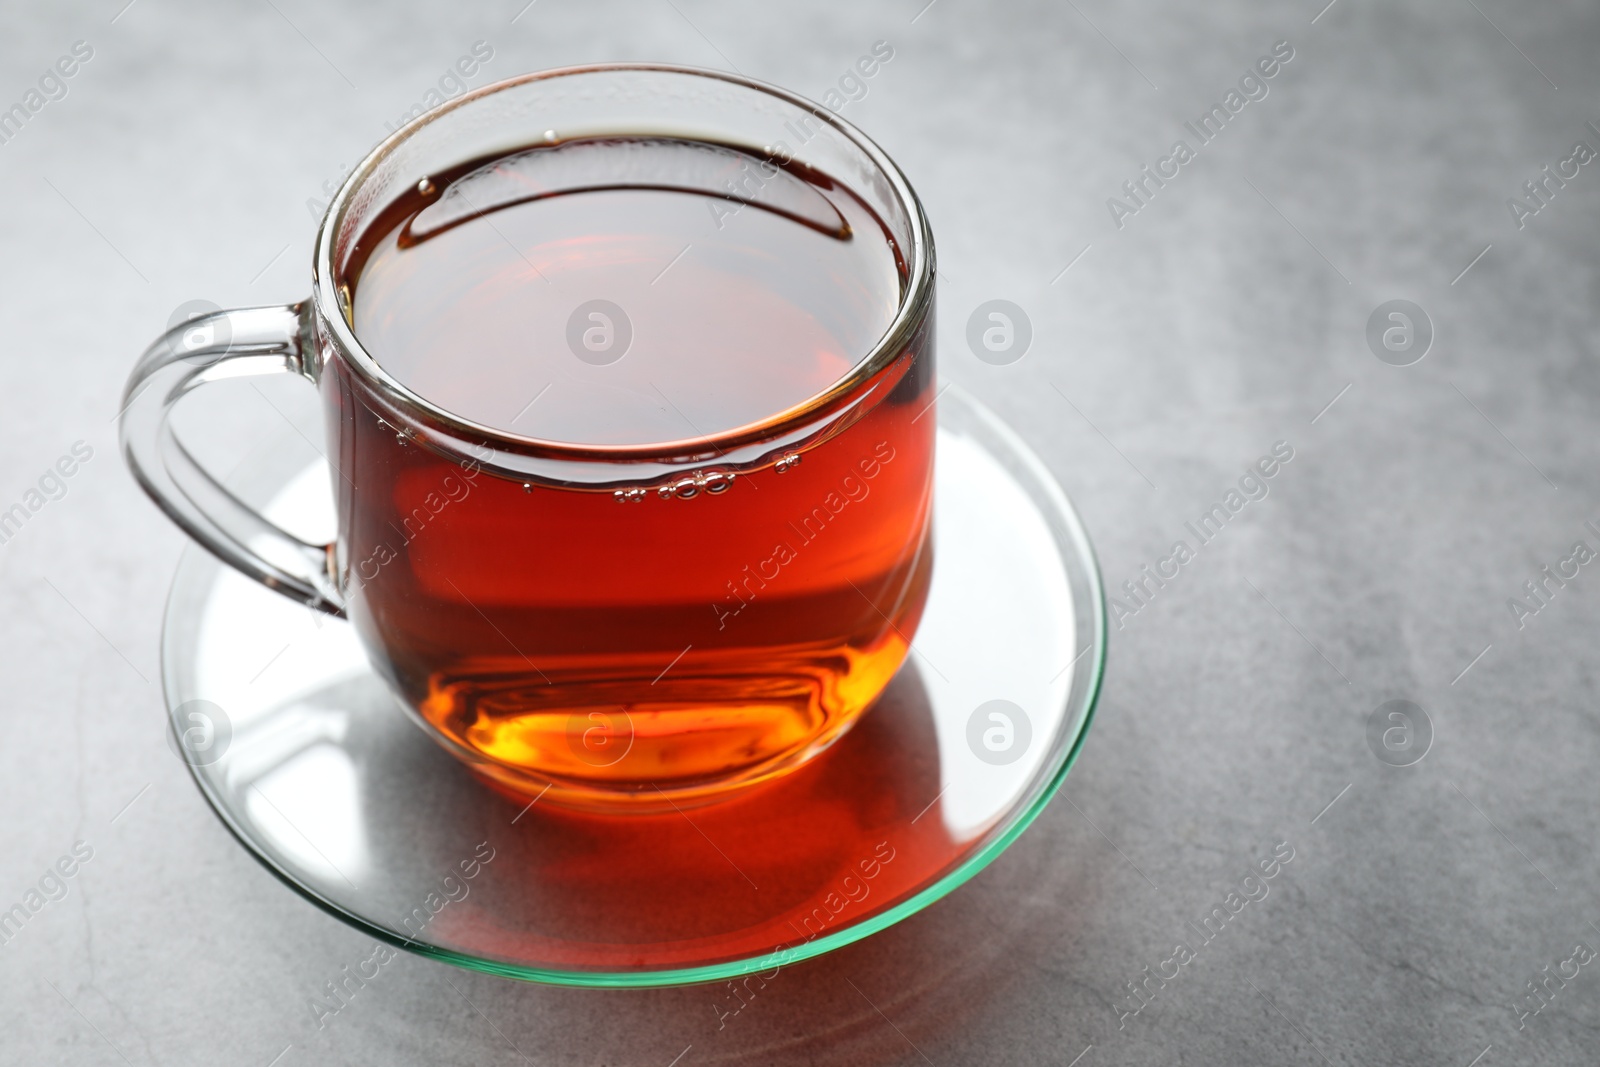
[[612, 626]]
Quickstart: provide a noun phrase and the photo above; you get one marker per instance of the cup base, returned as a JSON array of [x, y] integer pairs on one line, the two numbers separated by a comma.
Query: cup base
[[704, 735]]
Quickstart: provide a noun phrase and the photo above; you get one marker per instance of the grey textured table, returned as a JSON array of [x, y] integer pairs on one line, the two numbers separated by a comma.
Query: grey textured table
[[1228, 311]]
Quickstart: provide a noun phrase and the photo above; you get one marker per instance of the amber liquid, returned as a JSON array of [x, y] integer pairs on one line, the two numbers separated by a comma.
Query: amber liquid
[[643, 647]]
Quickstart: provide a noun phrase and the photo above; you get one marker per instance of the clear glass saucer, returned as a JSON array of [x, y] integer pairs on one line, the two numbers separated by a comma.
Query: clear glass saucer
[[309, 761]]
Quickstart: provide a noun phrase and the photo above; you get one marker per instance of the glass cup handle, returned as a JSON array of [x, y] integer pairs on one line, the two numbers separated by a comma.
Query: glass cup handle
[[224, 344]]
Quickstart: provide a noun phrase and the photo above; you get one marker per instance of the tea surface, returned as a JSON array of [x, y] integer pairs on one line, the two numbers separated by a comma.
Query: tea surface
[[625, 291]]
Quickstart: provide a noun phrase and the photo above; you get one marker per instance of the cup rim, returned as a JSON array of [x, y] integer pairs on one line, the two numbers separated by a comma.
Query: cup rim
[[915, 298]]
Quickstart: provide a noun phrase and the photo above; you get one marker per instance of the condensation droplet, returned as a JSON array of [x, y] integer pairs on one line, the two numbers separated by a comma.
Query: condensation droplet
[[425, 187]]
